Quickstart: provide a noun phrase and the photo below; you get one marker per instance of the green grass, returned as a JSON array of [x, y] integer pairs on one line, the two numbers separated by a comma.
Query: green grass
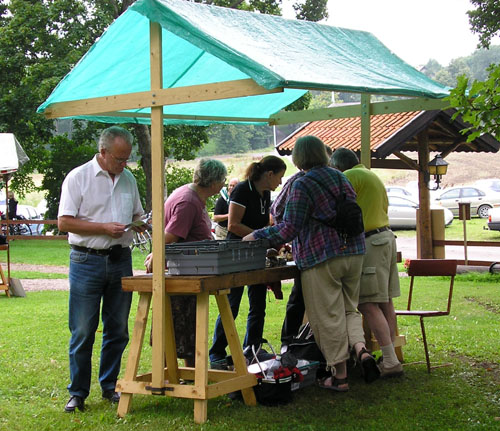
[[474, 229], [50, 253], [466, 396], [37, 275]]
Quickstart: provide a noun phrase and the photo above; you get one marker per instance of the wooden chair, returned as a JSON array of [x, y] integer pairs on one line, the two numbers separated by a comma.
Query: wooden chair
[[429, 268]]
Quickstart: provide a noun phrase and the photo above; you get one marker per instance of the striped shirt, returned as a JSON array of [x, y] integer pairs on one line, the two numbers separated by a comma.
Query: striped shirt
[[308, 203]]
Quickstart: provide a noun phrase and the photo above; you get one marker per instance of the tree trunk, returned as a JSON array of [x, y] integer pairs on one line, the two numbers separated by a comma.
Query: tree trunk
[[144, 144]]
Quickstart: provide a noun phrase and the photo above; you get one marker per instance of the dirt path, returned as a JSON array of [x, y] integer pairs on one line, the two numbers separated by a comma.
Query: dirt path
[[33, 285]]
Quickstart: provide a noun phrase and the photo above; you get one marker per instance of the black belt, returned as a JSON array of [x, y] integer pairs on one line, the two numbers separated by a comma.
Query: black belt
[[103, 252], [374, 231]]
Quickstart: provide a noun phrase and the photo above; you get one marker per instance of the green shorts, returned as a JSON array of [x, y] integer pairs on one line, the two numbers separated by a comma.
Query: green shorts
[[379, 277]]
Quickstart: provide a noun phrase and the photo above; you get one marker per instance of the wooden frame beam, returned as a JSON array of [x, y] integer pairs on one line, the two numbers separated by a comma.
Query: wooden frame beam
[[349, 111], [182, 117], [159, 97]]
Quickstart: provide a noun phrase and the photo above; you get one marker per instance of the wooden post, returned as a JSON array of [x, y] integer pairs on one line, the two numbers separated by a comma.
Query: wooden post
[[437, 222], [424, 234], [158, 175], [365, 130]]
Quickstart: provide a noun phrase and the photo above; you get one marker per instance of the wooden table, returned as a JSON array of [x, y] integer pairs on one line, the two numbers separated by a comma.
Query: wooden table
[[207, 383]]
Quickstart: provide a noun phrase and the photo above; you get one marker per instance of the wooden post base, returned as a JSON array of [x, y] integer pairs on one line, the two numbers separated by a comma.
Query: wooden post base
[[4, 281]]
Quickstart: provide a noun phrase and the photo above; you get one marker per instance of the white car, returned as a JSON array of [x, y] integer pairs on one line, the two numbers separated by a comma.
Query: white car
[[480, 200], [403, 213], [492, 184], [399, 191], [494, 219]]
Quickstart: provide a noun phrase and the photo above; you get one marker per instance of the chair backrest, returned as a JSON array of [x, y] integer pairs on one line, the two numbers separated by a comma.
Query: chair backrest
[[432, 268]]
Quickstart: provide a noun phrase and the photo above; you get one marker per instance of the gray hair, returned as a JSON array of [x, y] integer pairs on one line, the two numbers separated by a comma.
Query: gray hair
[[109, 135], [208, 172], [308, 152], [344, 159]]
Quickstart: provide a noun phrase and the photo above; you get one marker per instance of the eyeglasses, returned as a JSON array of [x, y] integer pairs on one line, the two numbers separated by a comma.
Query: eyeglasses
[[117, 159]]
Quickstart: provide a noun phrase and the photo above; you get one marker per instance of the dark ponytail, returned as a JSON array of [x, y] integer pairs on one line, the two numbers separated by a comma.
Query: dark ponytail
[[268, 163]]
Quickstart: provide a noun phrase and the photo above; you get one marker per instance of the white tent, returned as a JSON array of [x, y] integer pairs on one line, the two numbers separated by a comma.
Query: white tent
[[13, 156]]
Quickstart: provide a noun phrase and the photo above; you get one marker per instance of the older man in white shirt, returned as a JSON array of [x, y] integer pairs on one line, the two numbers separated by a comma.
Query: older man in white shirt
[[98, 200]]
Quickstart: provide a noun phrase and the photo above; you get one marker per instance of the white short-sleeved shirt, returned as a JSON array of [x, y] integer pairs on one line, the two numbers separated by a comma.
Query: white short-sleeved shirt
[[88, 193]]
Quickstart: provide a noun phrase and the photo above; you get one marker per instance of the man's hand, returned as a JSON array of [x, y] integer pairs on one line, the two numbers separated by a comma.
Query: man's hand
[[114, 229], [249, 237]]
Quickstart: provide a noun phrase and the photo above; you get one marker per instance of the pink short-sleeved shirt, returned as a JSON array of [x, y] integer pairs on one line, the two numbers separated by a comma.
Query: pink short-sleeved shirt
[[186, 215]]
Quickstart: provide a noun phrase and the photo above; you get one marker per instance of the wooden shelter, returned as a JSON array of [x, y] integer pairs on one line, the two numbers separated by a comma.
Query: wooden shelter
[[393, 135]]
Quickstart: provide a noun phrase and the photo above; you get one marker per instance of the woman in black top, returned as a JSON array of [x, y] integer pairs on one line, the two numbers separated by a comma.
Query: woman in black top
[[249, 210], [221, 210]]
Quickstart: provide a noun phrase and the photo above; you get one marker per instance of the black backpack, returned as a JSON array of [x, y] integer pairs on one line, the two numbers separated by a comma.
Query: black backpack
[[349, 219]]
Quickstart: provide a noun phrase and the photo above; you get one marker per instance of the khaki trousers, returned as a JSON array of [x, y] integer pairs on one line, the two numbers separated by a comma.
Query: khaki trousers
[[331, 292], [220, 232]]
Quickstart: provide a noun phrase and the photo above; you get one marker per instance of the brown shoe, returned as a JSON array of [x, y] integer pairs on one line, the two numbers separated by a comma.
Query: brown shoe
[[395, 371]]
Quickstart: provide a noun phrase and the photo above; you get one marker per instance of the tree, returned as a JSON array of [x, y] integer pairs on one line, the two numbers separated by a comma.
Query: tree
[[485, 20], [40, 41], [480, 105]]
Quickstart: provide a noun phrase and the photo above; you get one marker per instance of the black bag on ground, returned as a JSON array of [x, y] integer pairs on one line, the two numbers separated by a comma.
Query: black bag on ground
[[304, 346]]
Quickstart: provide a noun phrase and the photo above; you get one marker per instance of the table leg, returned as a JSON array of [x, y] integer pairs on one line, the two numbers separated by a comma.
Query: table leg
[[201, 360], [134, 354], [170, 354], [399, 347], [240, 365]]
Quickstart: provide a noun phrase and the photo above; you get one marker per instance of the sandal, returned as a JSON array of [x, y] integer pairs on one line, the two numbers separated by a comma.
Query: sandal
[[369, 368], [335, 386]]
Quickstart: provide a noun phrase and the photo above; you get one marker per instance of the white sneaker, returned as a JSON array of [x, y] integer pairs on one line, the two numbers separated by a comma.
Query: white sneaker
[[395, 371]]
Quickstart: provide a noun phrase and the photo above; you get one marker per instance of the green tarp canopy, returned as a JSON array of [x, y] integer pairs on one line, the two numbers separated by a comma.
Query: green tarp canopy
[[207, 44]]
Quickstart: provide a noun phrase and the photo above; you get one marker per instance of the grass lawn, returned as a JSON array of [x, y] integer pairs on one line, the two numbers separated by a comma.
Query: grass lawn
[[466, 396], [49, 253]]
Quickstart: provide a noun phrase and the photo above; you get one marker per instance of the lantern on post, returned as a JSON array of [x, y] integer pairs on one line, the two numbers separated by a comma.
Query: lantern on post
[[436, 167]]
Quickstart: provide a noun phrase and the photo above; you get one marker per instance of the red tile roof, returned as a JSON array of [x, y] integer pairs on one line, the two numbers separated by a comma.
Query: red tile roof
[[346, 132]]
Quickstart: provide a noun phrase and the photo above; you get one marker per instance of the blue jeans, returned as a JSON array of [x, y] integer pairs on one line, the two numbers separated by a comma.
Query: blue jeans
[[94, 278], [255, 320]]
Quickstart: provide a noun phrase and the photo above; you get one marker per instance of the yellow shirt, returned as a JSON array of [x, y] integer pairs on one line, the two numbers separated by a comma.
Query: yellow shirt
[[371, 196]]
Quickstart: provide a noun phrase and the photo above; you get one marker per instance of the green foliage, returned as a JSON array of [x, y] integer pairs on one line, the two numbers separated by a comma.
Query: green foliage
[[176, 176], [183, 142], [311, 10], [140, 178], [39, 43], [229, 138], [485, 20], [320, 99], [64, 155], [479, 106]]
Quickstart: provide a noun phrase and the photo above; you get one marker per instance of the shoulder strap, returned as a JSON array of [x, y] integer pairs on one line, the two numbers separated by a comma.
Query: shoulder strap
[[340, 198]]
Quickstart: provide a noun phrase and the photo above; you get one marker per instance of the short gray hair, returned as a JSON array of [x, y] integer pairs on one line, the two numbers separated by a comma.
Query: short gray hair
[[344, 159], [308, 152], [208, 172], [110, 134]]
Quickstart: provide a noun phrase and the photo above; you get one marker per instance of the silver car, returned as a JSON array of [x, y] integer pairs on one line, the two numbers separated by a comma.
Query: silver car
[[480, 200], [403, 213]]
